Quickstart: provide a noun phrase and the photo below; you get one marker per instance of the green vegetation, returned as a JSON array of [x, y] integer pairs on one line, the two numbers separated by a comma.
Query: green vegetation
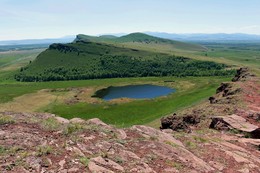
[[51, 124], [4, 119], [200, 139], [72, 128], [175, 164], [142, 111], [90, 60], [12, 60], [190, 90], [84, 161], [3, 150], [11, 90], [27, 47], [43, 150], [240, 53], [190, 145]]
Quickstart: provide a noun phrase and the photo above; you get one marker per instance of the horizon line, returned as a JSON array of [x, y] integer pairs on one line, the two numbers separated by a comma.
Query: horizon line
[[122, 34]]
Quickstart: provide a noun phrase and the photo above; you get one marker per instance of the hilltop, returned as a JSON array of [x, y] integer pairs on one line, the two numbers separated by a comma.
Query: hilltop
[[91, 58], [142, 38], [41, 142]]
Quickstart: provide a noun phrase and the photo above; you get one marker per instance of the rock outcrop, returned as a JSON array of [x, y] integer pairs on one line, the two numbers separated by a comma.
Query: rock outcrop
[[234, 122], [47, 143], [179, 123], [242, 74]]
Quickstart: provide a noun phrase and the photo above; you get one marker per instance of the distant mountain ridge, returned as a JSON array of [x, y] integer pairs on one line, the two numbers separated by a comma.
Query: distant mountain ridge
[[206, 37], [196, 37], [66, 39]]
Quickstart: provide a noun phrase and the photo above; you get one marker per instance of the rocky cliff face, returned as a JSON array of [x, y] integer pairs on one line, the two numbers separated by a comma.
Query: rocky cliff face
[[190, 143]]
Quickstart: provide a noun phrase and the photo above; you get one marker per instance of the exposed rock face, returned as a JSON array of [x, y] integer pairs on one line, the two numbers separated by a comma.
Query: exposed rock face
[[255, 133], [242, 74], [180, 123], [62, 47], [175, 123], [244, 88], [192, 119], [219, 124], [228, 89], [234, 122], [212, 100], [228, 92]]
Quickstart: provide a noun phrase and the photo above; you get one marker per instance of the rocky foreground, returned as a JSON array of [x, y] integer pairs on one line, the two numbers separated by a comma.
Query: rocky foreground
[[221, 135]]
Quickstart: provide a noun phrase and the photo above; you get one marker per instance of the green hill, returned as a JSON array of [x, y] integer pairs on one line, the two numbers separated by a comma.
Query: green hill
[[91, 60], [144, 39]]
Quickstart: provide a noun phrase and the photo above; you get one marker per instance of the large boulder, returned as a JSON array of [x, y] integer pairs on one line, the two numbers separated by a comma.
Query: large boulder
[[178, 123], [235, 122], [175, 123]]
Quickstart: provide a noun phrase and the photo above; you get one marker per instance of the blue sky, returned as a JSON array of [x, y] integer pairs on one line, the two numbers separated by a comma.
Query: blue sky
[[23, 19]]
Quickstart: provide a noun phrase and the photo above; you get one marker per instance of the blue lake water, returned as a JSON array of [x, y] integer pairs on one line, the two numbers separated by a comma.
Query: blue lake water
[[146, 91]]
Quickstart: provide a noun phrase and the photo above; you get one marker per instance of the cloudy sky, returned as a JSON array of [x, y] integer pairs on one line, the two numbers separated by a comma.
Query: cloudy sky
[[24, 19]]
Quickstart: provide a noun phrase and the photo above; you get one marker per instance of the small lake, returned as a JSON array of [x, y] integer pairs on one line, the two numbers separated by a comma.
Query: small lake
[[146, 91]]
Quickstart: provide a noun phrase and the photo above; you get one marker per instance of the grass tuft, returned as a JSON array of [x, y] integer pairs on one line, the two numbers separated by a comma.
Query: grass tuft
[[43, 150], [51, 124], [4, 119], [84, 161]]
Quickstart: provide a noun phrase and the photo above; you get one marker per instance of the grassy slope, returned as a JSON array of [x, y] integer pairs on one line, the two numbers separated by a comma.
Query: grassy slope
[[241, 54], [17, 57], [87, 60], [11, 61]]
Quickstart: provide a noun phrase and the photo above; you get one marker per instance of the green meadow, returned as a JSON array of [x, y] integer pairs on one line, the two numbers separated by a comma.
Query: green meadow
[[142, 111]]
